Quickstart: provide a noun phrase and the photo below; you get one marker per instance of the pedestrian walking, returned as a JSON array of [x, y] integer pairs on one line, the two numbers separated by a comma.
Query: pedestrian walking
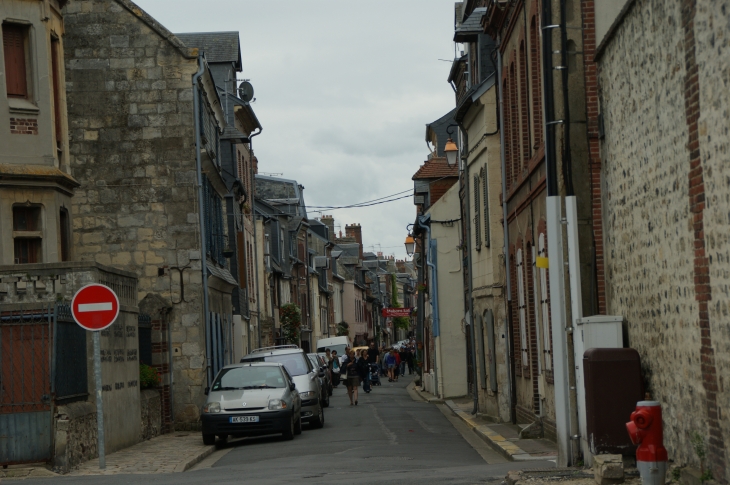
[[335, 369], [373, 354], [390, 364], [363, 368], [352, 378], [409, 359], [396, 371], [403, 356]]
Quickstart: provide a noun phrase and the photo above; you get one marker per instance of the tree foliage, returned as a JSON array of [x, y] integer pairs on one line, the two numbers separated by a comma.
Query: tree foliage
[[398, 322], [290, 316]]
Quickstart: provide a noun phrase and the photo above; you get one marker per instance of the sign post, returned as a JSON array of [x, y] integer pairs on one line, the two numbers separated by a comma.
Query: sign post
[[95, 307]]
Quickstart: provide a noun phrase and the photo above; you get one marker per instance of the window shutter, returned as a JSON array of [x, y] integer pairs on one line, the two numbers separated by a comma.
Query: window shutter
[[15, 68], [477, 230], [486, 206]]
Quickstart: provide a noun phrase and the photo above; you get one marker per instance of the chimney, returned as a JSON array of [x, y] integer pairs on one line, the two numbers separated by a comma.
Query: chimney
[[355, 231], [329, 221]]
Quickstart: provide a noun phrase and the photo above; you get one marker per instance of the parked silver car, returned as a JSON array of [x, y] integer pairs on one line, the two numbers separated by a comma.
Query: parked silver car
[[251, 399], [305, 376], [324, 377]]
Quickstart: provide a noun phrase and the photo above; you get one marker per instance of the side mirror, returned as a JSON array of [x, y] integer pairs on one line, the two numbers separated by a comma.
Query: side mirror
[[207, 390], [292, 386], [321, 373]]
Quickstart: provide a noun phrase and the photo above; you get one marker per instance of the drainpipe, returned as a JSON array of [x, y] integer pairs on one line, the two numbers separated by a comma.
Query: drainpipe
[[554, 211], [199, 170], [255, 242], [509, 331], [467, 219]]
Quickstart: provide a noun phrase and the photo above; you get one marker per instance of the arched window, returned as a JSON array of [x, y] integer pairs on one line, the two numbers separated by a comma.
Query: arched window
[[535, 76], [524, 104]]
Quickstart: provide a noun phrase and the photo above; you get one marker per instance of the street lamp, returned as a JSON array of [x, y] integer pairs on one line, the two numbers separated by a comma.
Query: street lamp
[[410, 245], [451, 149]]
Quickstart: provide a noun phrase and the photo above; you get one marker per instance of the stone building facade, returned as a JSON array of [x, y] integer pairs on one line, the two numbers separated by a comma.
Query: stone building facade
[[132, 129], [664, 97]]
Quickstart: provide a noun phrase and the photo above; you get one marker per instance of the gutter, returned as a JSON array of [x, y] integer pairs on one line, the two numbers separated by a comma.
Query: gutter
[[199, 173]]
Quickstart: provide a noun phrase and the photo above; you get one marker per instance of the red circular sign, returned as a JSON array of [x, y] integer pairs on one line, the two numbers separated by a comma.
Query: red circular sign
[[95, 307]]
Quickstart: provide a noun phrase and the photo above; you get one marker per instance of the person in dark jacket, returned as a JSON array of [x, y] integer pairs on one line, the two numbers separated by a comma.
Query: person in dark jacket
[[363, 368], [352, 377]]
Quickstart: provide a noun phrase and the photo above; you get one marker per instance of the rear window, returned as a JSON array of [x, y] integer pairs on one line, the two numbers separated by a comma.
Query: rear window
[[249, 378], [295, 363]]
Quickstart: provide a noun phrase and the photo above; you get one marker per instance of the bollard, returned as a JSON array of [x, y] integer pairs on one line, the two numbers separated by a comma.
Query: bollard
[[645, 430]]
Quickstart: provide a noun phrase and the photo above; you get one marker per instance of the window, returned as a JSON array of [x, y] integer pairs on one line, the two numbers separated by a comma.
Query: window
[[27, 234], [64, 236], [524, 109], [15, 48], [214, 231], [544, 307], [477, 217], [535, 76], [522, 306], [57, 112], [507, 133], [485, 191]]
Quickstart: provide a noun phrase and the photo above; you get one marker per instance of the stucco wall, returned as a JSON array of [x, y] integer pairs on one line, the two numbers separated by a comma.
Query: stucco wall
[[450, 344], [666, 211]]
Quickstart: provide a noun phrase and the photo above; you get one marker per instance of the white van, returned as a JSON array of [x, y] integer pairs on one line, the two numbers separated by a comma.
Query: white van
[[334, 343]]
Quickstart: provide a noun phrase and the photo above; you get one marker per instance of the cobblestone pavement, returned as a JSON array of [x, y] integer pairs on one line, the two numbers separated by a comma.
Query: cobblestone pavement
[[171, 453]]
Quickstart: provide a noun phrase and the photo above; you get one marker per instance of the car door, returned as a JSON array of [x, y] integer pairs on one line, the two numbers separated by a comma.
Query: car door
[[296, 400]]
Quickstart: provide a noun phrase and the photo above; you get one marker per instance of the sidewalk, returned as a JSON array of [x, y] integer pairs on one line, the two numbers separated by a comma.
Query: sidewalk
[[503, 438], [169, 453]]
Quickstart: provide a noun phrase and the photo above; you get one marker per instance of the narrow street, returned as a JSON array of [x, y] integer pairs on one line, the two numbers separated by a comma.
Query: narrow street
[[390, 435]]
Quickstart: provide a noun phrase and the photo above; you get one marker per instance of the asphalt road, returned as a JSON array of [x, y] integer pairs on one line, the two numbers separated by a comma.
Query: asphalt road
[[390, 435]]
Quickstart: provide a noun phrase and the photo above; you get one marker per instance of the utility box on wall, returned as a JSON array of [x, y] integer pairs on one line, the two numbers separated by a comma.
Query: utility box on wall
[[613, 386]]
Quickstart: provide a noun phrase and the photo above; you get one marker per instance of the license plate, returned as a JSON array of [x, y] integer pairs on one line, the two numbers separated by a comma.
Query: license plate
[[244, 419]]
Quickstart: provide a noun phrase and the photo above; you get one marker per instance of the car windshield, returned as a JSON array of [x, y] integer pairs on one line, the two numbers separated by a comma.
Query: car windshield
[[249, 377], [295, 363], [313, 360]]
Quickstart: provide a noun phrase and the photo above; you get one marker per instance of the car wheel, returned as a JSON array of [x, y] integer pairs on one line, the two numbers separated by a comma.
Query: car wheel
[[298, 426], [318, 422], [326, 400], [288, 434], [329, 390], [208, 439]]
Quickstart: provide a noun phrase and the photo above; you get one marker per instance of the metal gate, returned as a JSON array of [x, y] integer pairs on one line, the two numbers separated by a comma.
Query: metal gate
[[25, 385]]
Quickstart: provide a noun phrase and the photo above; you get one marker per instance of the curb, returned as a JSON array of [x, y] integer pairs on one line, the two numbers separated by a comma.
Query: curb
[[425, 396], [204, 453], [499, 443]]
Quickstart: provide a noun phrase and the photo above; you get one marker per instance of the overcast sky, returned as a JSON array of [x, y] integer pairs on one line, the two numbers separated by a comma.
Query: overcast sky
[[343, 91]]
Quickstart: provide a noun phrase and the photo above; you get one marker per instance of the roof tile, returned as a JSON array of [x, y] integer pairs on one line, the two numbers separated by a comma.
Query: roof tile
[[436, 168]]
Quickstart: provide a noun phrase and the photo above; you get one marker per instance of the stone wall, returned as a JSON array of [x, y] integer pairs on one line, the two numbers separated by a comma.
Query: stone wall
[[663, 77], [75, 435], [151, 414], [130, 107]]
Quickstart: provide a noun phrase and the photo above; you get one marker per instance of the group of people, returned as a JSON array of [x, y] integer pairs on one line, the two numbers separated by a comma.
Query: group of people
[[353, 368]]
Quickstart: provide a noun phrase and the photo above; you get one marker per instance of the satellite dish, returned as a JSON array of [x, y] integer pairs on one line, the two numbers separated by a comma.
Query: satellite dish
[[245, 91]]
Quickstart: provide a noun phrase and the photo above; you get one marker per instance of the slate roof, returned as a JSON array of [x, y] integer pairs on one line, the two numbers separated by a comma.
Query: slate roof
[[218, 46], [436, 168], [436, 132], [471, 27]]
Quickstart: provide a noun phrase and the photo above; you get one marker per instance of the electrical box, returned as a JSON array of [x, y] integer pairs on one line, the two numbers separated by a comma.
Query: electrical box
[[601, 332]]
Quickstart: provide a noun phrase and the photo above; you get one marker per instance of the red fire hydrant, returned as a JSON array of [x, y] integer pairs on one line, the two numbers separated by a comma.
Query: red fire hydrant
[[645, 430]]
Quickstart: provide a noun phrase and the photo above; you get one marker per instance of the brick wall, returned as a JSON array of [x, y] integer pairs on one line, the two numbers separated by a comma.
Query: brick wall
[[666, 211], [23, 126]]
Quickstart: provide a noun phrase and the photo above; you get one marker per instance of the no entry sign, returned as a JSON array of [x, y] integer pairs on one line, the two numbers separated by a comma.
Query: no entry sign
[[95, 307]]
